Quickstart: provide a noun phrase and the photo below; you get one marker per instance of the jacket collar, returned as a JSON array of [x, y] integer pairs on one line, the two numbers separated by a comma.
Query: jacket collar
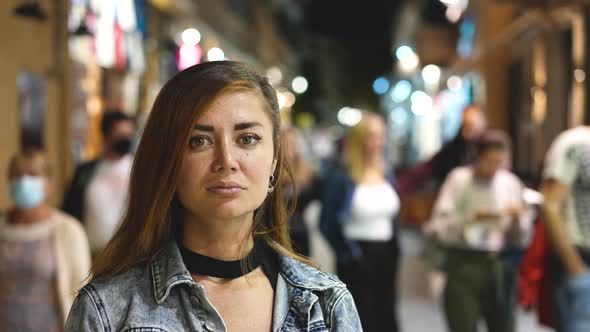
[[168, 270]]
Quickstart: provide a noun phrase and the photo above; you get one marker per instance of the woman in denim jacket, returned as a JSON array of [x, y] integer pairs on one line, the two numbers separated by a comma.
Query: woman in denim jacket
[[204, 245], [358, 218]]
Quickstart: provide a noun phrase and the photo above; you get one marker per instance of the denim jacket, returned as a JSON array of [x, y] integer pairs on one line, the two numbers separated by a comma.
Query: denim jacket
[[336, 197], [162, 296]]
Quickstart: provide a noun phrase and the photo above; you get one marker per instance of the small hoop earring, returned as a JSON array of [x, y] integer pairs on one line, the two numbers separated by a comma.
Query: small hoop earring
[[271, 188]]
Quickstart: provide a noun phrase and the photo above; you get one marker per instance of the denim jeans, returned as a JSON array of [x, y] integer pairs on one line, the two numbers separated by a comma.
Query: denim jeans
[[573, 300], [572, 295]]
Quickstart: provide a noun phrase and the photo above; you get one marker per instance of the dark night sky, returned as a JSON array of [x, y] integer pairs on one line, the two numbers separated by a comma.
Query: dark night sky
[[364, 30]]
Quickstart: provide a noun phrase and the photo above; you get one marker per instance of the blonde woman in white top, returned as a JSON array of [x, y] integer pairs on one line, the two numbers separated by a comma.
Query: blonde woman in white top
[[359, 220]]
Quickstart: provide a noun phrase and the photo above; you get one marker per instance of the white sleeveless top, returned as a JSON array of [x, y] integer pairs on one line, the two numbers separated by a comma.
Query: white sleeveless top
[[372, 210]]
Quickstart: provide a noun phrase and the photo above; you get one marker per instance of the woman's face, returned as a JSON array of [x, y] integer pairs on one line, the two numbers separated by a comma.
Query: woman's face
[[29, 183], [33, 167], [229, 158], [374, 141]]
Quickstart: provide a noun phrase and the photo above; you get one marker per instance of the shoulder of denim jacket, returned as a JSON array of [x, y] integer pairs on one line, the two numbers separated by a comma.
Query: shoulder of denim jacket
[[300, 274]]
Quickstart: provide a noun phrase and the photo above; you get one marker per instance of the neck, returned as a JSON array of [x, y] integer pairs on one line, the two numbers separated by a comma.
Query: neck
[[112, 156], [29, 216], [373, 161], [372, 164], [480, 177], [224, 239]]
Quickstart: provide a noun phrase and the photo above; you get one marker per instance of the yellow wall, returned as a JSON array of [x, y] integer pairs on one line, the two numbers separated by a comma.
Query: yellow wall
[[28, 45]]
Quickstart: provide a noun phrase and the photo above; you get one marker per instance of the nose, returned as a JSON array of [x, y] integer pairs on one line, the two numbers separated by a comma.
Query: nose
[[225, 158]]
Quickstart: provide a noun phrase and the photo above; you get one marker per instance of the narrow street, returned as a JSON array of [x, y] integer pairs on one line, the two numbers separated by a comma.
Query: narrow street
[[419, 311]]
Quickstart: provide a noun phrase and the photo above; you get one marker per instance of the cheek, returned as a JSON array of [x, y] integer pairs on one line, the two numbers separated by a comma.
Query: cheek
[[467, 133], [46, 187], [372, 144], [379, 142], [190, 173], [257, 167]]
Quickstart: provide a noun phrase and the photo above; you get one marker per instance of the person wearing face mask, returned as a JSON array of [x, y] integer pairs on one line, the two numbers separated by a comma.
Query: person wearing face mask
[[44, 253], [481, 219], [98, 191]]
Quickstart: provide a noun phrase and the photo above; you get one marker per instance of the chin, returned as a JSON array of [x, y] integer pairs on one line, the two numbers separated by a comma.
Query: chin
[[227, 214], [216, 207], [230, 210]]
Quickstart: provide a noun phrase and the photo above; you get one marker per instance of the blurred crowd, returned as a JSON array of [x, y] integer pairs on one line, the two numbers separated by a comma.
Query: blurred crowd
[[497, 242]]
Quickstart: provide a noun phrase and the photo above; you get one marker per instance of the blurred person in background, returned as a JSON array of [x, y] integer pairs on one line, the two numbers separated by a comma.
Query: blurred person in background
[[304, 190], [43, 252], [481, 220], [98, 191], [566, 212], [458, 152], [418, 199], [358, 218], [204, 244]]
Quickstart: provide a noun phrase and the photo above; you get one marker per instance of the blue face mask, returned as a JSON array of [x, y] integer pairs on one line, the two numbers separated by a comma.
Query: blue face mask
[[27, 191]]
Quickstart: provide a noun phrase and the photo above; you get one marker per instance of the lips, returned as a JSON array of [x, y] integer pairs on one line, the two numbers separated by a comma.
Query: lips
[[225, 188]]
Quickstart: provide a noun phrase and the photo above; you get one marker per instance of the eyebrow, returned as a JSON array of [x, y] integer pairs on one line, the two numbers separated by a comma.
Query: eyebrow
[[202, 127], [239, 126]]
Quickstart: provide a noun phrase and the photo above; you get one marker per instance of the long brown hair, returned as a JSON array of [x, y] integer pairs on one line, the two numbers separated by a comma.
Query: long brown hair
[[153, 212]]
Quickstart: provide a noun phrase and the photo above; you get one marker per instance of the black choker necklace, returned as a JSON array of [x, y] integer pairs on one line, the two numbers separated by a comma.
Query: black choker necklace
[[212, 267]]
